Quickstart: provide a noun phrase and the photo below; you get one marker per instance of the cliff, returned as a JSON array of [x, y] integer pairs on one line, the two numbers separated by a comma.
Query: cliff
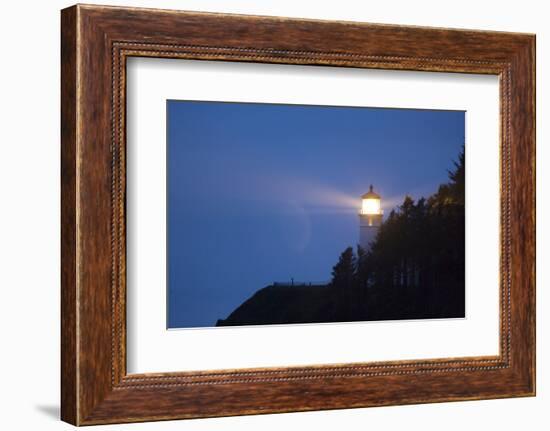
[[275, 305]]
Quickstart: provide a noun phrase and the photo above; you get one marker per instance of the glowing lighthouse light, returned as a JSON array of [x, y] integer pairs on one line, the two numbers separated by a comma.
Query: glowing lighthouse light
[[370, 206], [370, 203], [370, 218]]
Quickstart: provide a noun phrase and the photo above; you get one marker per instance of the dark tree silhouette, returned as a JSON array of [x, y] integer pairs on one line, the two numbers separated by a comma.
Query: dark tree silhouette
[[363, 271], [415, 269], [343, 273], [419, 252]]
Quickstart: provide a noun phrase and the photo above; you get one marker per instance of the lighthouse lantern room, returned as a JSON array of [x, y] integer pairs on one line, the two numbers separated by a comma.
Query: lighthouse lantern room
[[370, 218]]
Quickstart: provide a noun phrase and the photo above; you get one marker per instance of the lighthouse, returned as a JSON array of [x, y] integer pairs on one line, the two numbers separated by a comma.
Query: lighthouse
[[370, 218]]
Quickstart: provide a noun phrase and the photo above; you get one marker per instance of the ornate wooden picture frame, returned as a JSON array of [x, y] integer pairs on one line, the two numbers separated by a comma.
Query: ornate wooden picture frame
[[96, 41]]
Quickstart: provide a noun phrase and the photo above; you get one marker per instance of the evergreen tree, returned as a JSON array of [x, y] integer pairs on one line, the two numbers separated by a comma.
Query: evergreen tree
[[343, 273], [419, 251], [363, 268]]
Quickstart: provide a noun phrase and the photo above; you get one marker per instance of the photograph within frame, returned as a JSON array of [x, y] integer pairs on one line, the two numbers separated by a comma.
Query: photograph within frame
[[293, 214], [153, 347]]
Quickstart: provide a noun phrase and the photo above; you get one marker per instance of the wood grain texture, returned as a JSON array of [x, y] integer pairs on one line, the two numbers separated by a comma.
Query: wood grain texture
[[69, 397], [96, 41]]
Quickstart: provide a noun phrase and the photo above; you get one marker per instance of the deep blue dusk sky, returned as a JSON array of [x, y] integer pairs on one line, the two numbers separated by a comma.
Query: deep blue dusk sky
[[259, 193]]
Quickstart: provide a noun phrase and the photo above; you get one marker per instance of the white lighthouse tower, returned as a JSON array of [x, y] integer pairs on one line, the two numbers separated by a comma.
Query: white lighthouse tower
[[370, 218]]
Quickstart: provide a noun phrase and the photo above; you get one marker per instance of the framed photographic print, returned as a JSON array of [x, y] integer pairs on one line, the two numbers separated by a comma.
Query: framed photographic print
[[268, 215]]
